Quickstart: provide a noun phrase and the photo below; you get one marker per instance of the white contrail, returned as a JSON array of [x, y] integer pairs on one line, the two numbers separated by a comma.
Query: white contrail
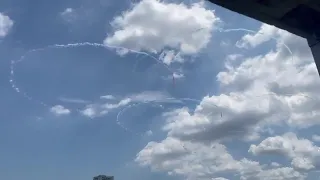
[[69, 45], [99, 45], [182, 101], [252, 31]]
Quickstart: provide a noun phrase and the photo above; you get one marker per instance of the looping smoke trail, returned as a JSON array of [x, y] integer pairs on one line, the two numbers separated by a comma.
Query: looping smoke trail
[[167, 100], [74, 45], [172, 100], [70, 45]]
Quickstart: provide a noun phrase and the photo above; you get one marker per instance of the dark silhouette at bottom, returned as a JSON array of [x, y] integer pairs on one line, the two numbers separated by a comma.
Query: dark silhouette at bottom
[[103, 177]]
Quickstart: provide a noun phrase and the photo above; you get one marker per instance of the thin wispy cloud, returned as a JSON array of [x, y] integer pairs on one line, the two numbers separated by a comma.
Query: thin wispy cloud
[[74, 100], [101, 108], [107, 97], [69, 14]]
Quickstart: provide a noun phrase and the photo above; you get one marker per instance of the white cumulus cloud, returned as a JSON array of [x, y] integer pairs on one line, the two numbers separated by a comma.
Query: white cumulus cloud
[[199, 161], [5, 25], [154, 26], [59, 110], [273, 89], [265, 33], [303, 153]]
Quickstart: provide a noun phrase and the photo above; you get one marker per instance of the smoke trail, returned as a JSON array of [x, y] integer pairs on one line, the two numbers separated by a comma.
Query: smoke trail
[[69, 45], [252, 31], [99, 45], [181, 101], [285, 114]]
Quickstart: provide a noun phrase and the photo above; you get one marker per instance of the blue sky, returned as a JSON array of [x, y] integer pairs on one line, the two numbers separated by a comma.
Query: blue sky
[[153, 90]]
